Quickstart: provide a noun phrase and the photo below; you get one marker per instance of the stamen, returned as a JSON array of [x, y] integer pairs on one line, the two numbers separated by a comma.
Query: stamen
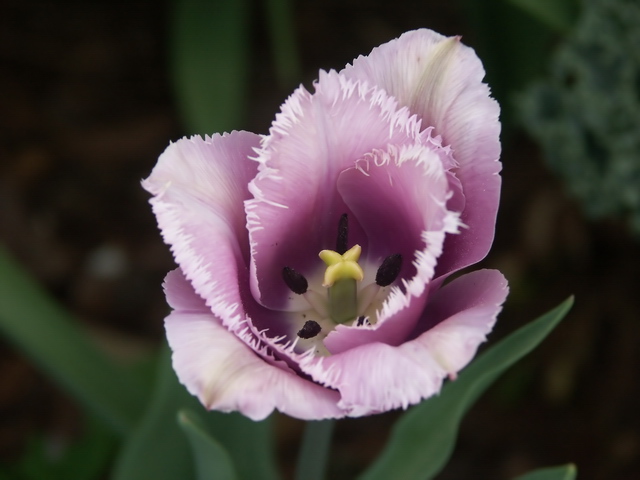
[[310, 329], [360, 320], [294, 280], [343, 234], [389, 270]]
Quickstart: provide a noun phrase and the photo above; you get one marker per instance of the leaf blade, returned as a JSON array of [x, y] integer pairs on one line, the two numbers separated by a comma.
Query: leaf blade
[[210, 63], [157, 448], [563, 472], [159, 437], [211, 460], [45, 332], [558, 15], [408, 454], [282, 32]]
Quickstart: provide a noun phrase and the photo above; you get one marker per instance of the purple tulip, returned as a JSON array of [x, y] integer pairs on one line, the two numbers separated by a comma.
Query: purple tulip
[[312, 260]]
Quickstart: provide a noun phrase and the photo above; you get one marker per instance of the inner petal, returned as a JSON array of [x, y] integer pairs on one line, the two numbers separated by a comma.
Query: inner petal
[[340, 299], [296, 204], [442, 81], [399, 197]]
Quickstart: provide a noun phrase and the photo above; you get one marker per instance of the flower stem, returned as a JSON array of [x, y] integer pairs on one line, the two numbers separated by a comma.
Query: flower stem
[[314, 452]]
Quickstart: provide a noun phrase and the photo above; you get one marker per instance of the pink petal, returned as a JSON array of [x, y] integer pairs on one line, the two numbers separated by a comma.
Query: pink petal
[[226, 374], [440, 80], [399, 197], [199, 186], [460, 315], [297, 206], [378, 377]]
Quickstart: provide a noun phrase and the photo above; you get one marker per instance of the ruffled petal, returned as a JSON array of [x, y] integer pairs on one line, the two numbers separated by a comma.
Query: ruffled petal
[[199, 186], [460, 315], [296, 208], [440, 80], [378, 377], [227, 374], [399, 197]]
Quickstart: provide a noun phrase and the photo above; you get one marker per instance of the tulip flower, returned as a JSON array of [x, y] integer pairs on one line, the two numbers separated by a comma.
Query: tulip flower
[[313, 260]]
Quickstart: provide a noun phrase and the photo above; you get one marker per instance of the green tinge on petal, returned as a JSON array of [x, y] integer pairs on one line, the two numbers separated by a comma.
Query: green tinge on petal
[[435, 76]]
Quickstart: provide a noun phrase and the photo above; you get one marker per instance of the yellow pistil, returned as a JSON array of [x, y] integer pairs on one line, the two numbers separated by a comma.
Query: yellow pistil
[[341, 267], [341, 277]]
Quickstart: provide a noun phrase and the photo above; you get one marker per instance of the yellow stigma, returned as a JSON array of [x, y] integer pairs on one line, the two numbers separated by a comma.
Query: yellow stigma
[[341, 266]]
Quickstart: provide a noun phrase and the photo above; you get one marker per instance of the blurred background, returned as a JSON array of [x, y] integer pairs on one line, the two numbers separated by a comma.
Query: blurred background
[[92, 91]]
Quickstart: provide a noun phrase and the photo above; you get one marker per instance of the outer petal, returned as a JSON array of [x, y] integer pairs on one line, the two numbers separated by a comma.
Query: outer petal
[[440, 80], [377, 377], [199, 186], [460, 315], [297, 206], [227, 375]]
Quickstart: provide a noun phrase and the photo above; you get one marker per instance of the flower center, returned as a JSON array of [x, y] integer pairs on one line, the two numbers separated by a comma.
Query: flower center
[[344, 299], [341, 277]]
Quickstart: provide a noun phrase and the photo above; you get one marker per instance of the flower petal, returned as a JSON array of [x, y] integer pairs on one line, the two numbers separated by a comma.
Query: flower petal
[[297, 206], [226, 374], [440, 80], [199, 186], [460, 315], [399, 197], [378, 377]]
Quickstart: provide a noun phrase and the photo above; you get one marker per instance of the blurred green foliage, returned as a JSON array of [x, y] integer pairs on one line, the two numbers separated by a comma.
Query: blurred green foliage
[[47, 457], [423, 439], [586, 114], [565, 472], [210, 63]]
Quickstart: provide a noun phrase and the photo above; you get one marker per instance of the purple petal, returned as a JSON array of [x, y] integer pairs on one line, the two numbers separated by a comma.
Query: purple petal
[[440, 80], [399, 197], [378, 377], [297, 206], [226, 374], [460, 315], [199, 186]]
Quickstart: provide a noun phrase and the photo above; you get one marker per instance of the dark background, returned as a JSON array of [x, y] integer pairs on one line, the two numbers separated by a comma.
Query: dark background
[[86, 107]]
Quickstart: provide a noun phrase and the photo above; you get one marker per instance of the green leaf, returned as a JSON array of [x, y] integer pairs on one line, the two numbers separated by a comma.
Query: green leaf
[[314, 450], [285, 52], [423, 439], [556, 14], [250, 444], [513, 47], [565, 472], [159, 450], [210, 458], [86, 458], [210, 63], [39, 327]]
